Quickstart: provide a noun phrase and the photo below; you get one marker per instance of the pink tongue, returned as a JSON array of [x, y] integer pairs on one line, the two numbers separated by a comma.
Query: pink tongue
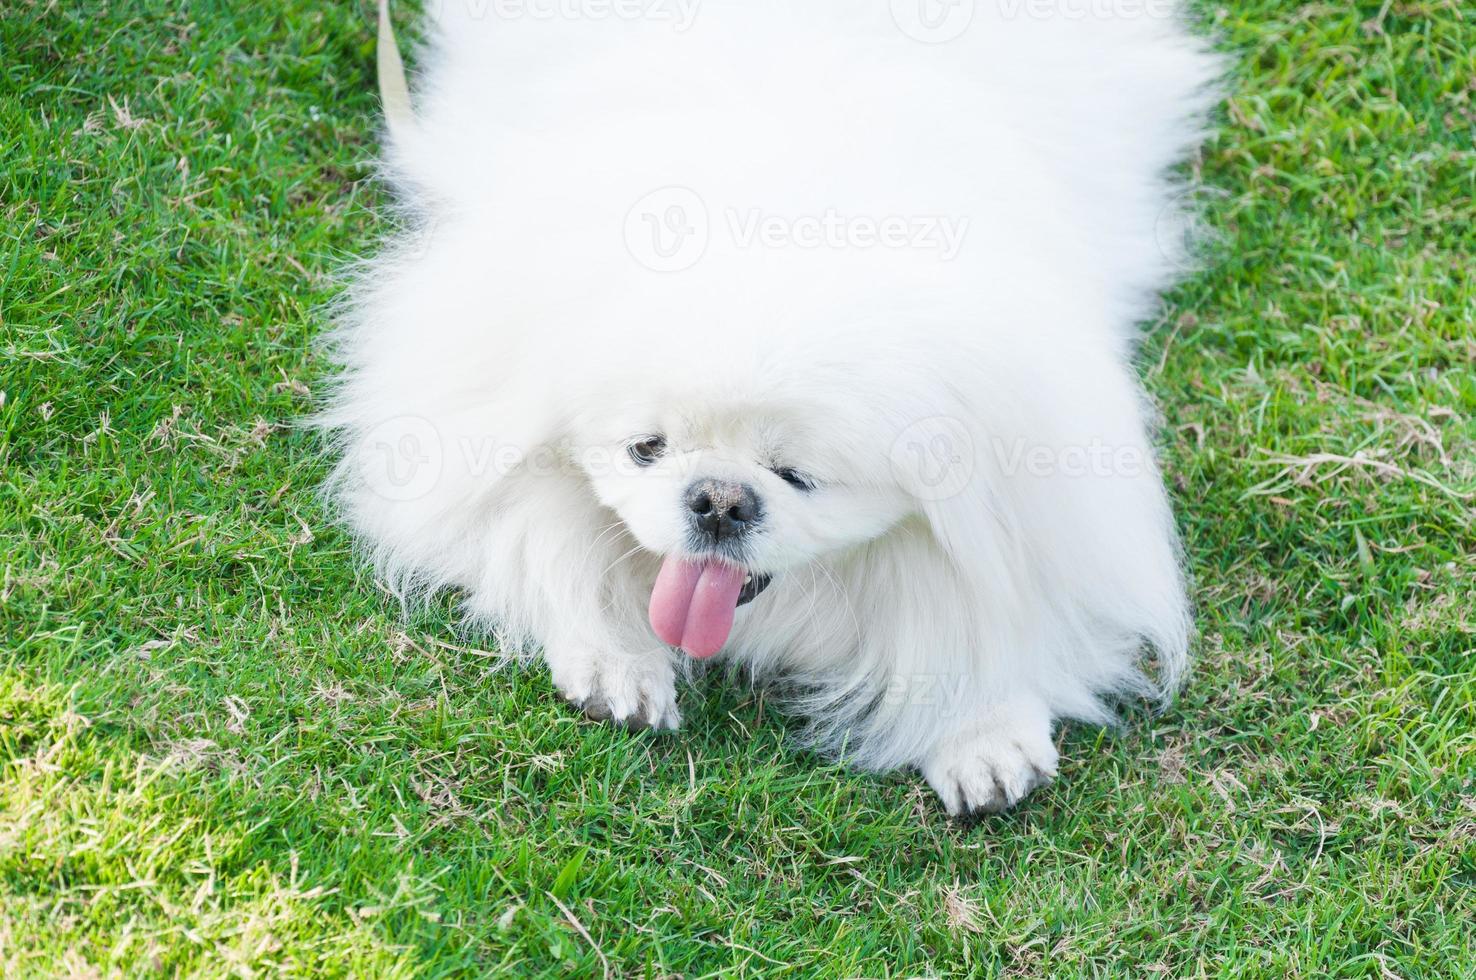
[[693, 604]]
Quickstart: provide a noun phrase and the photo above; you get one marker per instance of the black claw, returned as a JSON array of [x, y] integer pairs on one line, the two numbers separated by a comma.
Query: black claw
[[969, 819], [643, 718], [597, 709]]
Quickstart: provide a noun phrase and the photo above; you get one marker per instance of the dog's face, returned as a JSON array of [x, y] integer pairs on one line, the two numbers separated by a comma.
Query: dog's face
[[739, 496], [764, 489]]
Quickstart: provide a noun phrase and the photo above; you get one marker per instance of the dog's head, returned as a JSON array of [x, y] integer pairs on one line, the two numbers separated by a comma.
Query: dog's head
[[735, 485]]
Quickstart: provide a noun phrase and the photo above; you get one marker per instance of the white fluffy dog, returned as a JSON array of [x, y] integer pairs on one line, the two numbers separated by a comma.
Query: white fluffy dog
[[797, 335]]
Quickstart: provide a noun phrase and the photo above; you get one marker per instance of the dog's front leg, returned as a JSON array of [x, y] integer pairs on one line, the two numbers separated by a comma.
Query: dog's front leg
[[564, 572], [993, 760], [633, 689], [929, 679]]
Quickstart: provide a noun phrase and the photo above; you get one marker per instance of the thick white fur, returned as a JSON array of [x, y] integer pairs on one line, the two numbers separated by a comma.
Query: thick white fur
[[956, 582]]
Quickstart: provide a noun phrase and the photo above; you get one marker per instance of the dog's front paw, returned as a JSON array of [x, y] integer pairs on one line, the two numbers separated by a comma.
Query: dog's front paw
[[637, 691], [992, 767]]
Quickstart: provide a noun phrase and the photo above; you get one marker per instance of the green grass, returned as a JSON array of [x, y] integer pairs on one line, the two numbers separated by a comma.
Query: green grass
[[222, 750]]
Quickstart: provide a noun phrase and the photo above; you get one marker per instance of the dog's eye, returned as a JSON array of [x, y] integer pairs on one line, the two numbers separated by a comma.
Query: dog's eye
[[795, 479], [647, 451]]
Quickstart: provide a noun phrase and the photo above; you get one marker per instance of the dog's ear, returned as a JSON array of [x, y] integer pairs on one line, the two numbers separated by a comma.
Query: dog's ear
[[416, 473], [943, 463], [1061, 548]]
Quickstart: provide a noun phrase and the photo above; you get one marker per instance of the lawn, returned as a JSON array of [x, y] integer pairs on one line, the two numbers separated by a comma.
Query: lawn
[[224, 750]]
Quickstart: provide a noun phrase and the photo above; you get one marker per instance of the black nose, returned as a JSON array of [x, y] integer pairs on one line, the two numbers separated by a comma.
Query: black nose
[[722, 510]]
